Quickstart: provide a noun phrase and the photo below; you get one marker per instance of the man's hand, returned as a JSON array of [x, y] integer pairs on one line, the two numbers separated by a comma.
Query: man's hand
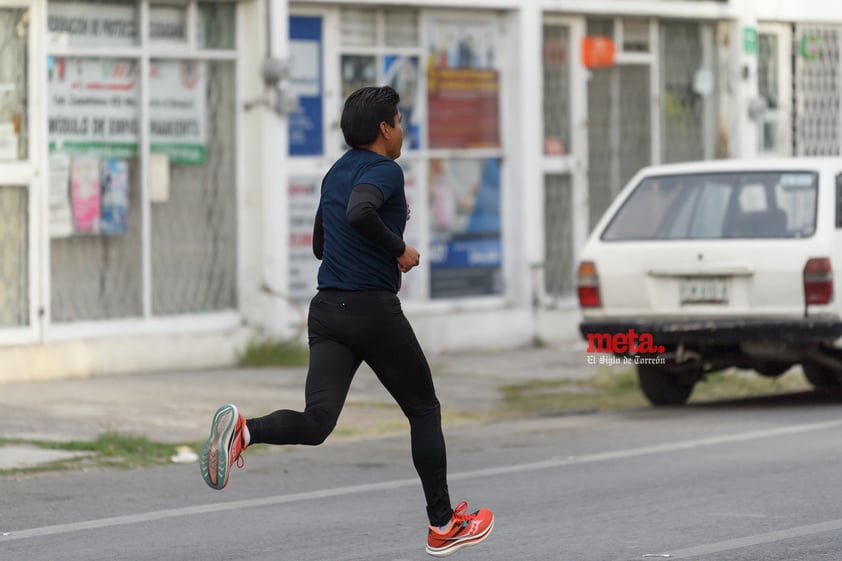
[[409, 259], [408, 212]]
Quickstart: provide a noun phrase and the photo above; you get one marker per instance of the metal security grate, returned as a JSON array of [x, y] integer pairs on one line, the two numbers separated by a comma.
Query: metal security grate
[[817, 90], [194, 232], [14, 136], [94, 276], [558, 225], [556, 64], [682, 106], [14, 257], [619, 132], [622, 132], [768, 78]]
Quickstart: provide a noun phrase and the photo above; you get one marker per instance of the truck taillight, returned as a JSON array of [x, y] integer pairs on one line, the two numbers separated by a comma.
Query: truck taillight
[[818, 281], [588, 285]]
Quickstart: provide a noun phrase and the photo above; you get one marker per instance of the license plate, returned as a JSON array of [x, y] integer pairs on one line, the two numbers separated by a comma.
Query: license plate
[[708, 290]]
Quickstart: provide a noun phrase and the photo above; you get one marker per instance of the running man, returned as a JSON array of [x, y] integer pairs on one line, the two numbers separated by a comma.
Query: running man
[[356, 316]]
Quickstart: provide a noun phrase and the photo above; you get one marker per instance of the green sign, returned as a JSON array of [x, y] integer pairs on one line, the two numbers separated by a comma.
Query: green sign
[[187, 154], [750, 40], [810, 47]]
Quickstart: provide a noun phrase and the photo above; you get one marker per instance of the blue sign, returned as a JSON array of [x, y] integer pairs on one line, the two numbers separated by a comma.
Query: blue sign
[[306, 136], [475, 253]]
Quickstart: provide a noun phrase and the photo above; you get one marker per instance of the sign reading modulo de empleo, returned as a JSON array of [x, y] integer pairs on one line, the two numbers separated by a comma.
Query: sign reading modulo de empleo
[[93, 108]]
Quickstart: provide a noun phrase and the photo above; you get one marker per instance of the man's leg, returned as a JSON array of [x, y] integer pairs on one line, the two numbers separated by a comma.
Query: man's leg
[[332, 368], [399, 363]]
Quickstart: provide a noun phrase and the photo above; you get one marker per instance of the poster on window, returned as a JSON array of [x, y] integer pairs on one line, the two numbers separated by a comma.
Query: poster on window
[[465, 243], [93, 107], [305, 83], [463, 83], [402, 73], [177, 122], [61, 215], [115, 197], [85, 194], [303, 266]]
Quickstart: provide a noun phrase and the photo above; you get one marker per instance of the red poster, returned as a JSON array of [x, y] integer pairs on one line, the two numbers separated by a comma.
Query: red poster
[[464, 110], [85, 194]]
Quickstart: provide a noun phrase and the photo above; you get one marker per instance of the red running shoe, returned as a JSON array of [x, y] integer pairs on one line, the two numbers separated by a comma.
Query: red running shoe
[[465, 529], [223, 447]]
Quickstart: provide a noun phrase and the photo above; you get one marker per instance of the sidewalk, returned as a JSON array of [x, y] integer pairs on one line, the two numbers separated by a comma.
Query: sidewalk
[[177, 406]]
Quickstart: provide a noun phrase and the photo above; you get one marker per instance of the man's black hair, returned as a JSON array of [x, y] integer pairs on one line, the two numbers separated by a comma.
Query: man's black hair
[[364, 110]]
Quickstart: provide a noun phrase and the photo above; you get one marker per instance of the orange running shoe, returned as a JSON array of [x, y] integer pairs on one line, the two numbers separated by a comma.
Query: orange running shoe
[[465, 529], [223, 447]]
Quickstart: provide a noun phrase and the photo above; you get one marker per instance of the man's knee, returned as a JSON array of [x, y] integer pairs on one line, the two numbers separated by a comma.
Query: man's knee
[[320, 424], [428, 412]]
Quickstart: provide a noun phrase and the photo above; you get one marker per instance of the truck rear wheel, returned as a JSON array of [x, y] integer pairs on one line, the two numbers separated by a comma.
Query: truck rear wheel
[[663, 385], [821, 376]]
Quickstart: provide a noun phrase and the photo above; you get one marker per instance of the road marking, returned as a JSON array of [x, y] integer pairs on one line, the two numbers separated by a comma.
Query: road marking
[[401, 483], [648, 450], [746, 541]]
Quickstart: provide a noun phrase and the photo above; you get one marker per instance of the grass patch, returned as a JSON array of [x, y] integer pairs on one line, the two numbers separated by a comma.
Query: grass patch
[[274, 353], [617, 389], [110, 450], [607, 390], [734, 384]]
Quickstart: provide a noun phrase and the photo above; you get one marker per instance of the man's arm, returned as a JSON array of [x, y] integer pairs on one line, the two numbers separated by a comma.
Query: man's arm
[[362, 215]]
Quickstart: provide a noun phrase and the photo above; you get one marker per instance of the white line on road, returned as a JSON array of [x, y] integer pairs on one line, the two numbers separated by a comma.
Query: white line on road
[[400, 483], [746, 541]]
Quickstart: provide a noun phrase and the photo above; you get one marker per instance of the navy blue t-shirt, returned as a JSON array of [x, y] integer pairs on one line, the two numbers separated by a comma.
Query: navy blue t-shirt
[[350, 261]]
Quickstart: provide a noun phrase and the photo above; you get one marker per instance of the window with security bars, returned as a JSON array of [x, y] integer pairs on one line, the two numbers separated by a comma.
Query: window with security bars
[[767, 87], [14, 141], [619, 132], [558, 236], [556, 64], [683, 107], [194, 232], [817, 90], [103, 248], [96, 276], [621, 138], [619, 124], [14, 138], [14, 257]]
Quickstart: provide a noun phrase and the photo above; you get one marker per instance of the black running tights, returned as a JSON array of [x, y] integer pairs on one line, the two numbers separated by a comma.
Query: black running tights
[[345, 329]]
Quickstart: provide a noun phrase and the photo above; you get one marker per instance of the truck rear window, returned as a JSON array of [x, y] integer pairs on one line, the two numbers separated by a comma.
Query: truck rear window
[[718, 206]]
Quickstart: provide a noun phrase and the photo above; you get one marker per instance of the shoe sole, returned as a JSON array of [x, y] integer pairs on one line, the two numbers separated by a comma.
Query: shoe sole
[[214, 458], [445, 551]]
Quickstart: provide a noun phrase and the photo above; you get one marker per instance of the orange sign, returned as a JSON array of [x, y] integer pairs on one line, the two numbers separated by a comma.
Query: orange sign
[[598, 52]]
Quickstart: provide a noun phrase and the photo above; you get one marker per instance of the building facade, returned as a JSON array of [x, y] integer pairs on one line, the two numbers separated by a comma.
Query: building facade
[[160, 161]]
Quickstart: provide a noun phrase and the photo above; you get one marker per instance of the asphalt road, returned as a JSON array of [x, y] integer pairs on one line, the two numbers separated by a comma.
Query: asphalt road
[[751, 479]]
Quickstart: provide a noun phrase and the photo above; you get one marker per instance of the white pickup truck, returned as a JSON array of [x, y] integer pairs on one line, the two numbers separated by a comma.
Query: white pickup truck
[[702, 266]]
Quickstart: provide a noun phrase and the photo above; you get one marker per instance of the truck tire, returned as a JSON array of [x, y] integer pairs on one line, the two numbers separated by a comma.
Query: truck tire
[[663, 385], [821, 376]]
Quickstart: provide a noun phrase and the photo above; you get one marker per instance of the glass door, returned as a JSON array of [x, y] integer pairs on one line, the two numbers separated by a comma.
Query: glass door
[[565, 150], [774, 85], [17, 176], [622, 124]]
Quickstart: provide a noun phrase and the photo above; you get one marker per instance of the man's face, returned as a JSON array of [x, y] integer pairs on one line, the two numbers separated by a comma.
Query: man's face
[[394, 142]]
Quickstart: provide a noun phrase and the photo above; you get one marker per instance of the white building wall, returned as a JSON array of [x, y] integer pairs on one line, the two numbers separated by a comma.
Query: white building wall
[[813, 11], [515, 318]]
